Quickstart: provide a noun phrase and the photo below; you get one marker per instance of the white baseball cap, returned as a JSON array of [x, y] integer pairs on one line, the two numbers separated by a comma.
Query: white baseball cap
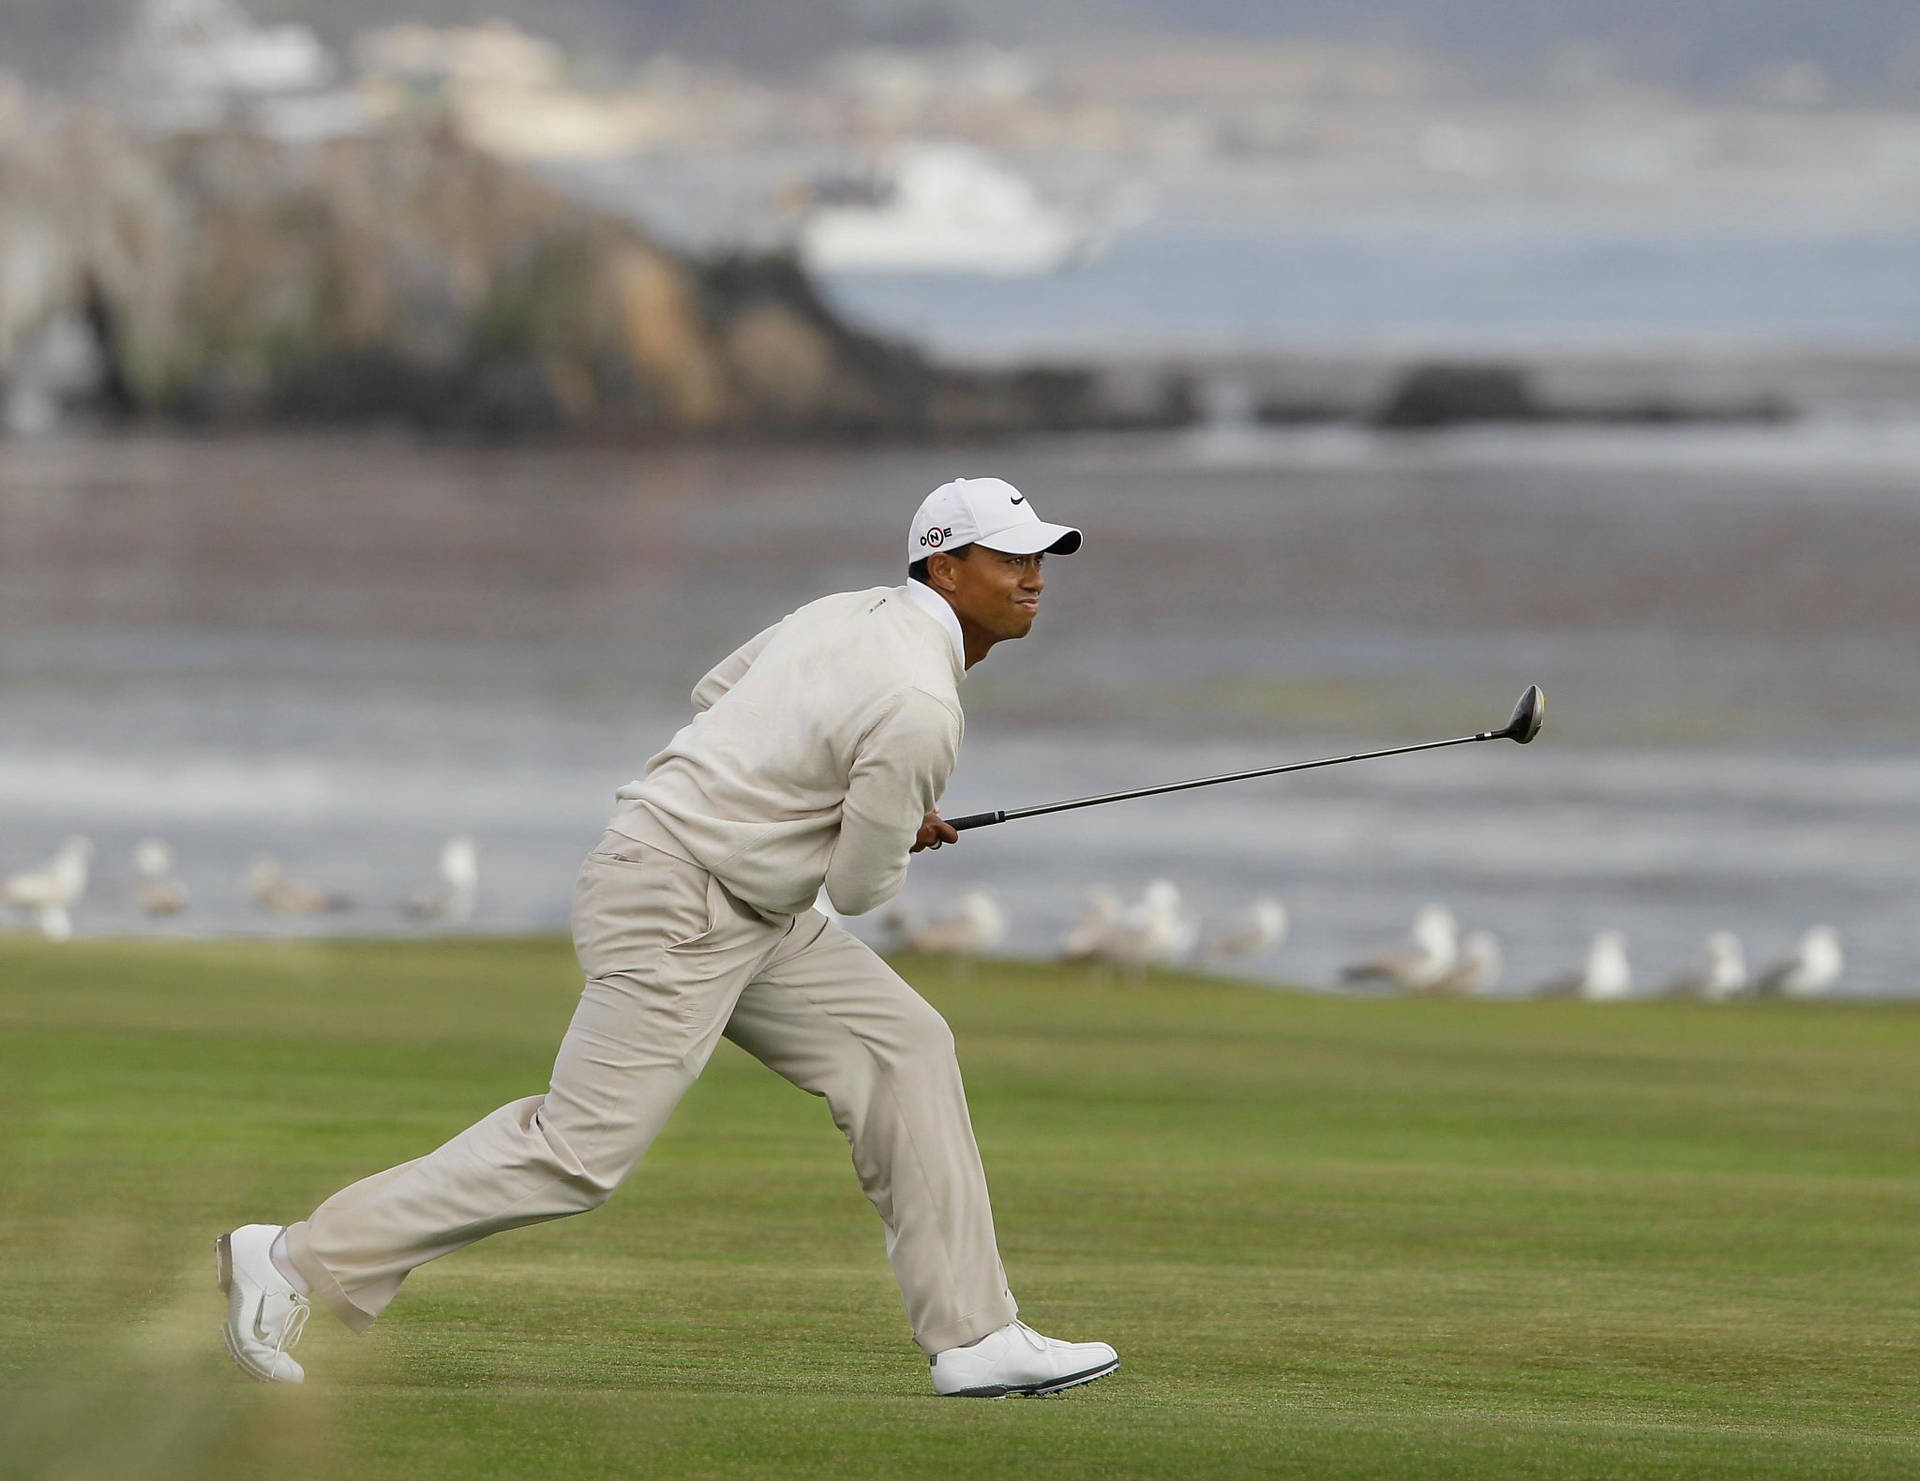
[[984, 511]]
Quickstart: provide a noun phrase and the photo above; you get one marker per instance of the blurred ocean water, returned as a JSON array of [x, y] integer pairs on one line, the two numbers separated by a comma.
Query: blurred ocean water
[[1224, 287], [343, 649]]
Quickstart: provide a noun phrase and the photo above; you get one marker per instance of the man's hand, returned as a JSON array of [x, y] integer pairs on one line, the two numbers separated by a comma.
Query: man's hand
[[934, 831]]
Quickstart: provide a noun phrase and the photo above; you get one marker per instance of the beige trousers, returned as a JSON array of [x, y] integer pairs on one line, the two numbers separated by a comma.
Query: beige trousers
[[673, 961]]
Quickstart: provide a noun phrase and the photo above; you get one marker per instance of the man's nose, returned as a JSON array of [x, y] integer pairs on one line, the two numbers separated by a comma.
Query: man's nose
[[1032, 579]]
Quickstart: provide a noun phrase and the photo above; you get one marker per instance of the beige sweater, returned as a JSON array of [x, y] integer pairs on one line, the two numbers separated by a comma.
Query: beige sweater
[[814, 753]]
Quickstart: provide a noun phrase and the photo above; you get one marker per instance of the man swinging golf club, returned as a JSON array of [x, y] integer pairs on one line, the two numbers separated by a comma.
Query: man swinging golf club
[[816, 756]]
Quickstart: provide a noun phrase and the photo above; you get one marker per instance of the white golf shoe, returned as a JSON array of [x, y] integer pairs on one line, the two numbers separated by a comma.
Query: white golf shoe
[[1018, 1360], [265, 1315]]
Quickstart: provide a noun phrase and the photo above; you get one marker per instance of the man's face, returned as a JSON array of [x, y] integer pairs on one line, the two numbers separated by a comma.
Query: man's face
[[998, 593]]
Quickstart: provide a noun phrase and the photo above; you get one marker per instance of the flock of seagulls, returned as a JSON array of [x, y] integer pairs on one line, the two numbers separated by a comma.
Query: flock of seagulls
[[1156, 930], [1719, 975], [45, 896]]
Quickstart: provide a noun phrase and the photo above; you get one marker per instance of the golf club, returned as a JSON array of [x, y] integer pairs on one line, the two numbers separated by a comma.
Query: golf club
[[1523, 726]]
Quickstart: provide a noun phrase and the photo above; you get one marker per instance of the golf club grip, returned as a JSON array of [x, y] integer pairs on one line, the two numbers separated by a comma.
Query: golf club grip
[[976, 820]]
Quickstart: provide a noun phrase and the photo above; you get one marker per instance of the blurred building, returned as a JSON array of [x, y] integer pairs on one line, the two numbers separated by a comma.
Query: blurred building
[[508, 91], [202, 64]]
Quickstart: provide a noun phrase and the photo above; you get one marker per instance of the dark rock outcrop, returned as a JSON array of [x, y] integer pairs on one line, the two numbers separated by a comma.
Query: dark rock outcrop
[[1441, 395], [1447, 394]]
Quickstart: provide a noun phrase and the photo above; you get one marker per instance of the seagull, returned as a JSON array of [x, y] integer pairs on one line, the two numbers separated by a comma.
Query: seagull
[[47, 893], [1155, 931], [271, 891], [1810, 972], [453, 900], [978, 924], [1431, 950], [1721, 972], [155, 886], [1260, 927], [54, 922], [1089, 934], [1603, 978], [1478, 969]]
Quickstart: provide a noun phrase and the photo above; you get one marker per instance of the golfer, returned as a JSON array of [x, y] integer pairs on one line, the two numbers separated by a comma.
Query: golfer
[[816, 755]]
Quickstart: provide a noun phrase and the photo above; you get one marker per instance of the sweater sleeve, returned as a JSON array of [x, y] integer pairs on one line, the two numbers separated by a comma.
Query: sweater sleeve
[[728, 672], [900, 771]]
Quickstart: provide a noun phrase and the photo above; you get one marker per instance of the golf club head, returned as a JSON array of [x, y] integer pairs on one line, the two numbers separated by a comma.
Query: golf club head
[[1528, 716]]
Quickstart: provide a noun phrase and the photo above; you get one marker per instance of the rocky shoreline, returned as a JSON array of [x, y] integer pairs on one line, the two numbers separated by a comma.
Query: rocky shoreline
[[1565, 386], [1414, 389], [404, 276]]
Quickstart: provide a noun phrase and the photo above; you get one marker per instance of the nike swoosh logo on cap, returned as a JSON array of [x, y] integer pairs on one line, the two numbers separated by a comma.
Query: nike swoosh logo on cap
[[1019, 498]]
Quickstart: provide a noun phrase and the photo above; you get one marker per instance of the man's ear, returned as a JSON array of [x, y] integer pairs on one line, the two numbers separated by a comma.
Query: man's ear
[[940, 571]]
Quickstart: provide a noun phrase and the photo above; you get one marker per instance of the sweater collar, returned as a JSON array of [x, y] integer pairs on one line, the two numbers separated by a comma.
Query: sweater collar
[[935, 606]]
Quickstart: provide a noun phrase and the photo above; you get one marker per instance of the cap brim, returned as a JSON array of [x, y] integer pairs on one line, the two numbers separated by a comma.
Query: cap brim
[[1031, 537]]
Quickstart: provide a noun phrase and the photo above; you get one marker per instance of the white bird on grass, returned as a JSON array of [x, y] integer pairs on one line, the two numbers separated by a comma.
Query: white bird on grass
[[1258, 928], [155, 886], [1809, 972], [452, 900], [271, 891], [1719, 974], [1431, 951], [49, 892], [1155, 931], [1604, 977], [977, 925], [1089, 934], [1478, 969]]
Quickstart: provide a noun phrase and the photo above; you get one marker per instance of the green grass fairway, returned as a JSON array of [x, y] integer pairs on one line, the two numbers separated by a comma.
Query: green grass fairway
[[1329, 1237]]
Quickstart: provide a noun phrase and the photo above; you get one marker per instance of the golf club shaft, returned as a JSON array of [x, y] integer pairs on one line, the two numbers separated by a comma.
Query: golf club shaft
[[987, 819]]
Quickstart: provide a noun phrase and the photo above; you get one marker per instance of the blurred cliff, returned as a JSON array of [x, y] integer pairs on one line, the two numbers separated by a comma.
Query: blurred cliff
[[400, 273]]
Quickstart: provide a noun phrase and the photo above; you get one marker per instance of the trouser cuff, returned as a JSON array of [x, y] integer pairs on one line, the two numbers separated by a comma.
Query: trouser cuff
[[320, 1280], [964, 1329]]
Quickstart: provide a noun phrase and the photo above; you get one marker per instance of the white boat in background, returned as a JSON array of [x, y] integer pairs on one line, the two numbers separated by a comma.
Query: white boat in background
[[941, 208]]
